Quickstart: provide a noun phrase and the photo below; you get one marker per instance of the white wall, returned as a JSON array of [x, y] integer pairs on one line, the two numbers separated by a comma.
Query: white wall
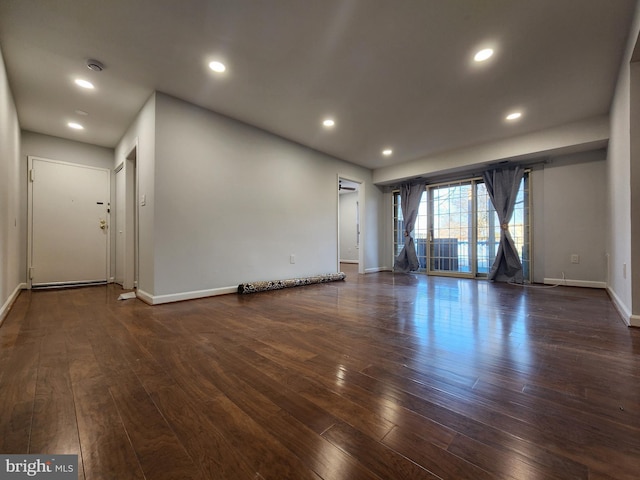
[[583, 135], [619, 185], [569, 217], [634, 180], [11, 223], [142, 136], [54, 148], [233, 202], [348, 204]]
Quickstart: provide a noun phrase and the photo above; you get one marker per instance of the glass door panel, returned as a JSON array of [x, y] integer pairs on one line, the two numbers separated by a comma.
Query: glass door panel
[[451, 212], [488, 232]]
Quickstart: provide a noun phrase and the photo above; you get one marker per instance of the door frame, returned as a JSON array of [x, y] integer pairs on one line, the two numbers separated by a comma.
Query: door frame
[[361, 217], [30, 174], [131, 213]]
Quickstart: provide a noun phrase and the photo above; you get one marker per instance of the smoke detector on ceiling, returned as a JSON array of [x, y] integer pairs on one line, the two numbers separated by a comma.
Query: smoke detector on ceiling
[[95, 65]]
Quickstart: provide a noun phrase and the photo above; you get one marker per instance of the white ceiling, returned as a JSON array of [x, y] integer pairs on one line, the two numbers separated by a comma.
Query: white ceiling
[[393, 73]]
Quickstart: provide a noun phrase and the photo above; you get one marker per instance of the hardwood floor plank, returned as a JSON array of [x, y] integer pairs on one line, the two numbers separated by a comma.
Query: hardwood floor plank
[[206, 445], [381, 376], [107, 452], [332, 402], [377, 457], [54, 428], [432, 458], [209, 447], [502, 462], [17, 387]]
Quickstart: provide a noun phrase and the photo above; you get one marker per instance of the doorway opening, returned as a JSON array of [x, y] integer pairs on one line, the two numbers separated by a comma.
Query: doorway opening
[[127, 222], [350, 222]]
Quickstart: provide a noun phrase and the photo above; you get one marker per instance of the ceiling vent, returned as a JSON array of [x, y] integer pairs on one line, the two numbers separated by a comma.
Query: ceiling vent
[[95, 65]]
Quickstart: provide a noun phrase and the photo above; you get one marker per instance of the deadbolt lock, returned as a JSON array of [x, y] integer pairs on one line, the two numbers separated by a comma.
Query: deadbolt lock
[[103, 224]]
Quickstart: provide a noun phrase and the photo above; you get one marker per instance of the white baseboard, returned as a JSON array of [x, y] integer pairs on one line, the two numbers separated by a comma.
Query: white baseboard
[[620, 306], [377, 269], [623, 310], [4, 310], [179, 297], [144, 296], [567, 282]]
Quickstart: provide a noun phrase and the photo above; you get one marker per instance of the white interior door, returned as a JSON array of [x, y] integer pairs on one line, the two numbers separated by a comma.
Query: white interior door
[[69, 214]]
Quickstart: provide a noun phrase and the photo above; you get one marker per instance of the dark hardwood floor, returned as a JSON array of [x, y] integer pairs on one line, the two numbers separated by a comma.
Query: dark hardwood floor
[[378, 377]]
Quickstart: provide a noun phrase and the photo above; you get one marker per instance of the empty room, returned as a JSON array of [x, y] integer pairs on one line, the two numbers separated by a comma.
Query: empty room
[[337, 239]]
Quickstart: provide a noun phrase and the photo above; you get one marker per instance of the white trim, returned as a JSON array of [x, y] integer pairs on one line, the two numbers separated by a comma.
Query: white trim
[[630, 320], [178, 297], [144, 296], [378, 269], [4, 310], [567, 282]]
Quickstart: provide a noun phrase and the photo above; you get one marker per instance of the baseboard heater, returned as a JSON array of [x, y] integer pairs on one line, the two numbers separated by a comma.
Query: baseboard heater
[[254, 287]]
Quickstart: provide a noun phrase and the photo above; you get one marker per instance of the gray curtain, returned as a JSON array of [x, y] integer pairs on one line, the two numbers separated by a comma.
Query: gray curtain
[[502, 186], [407, 260]]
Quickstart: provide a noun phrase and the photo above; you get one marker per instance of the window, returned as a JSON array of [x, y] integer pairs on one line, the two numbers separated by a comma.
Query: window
[[420, 233], [457, 230]]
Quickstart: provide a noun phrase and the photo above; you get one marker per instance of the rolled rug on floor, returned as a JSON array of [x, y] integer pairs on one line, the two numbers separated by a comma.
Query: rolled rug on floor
[[254, 287]]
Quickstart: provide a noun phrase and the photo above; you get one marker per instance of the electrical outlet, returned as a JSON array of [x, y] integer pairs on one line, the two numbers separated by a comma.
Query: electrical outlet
[[575, 258], [292, 259]]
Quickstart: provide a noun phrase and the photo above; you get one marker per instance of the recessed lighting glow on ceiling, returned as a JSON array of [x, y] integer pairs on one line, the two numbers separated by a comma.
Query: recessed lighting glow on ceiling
[[484, 54], [218, 67], [84, 83], [513, 116], [387, 151], [75, 126], [329, 122]]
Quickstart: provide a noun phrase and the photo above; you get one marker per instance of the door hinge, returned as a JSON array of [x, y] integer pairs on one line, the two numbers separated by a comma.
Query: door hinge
[[32, 175], [30, 273]]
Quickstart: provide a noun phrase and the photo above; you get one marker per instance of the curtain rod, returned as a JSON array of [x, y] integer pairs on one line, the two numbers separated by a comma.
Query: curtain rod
[[471, 174]]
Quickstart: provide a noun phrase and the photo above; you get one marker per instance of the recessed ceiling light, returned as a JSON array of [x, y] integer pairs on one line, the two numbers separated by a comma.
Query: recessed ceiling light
[[83, 83], [218, 67], [75, 126], [387, 151], [483, 55], [514, 116], [329, 122]]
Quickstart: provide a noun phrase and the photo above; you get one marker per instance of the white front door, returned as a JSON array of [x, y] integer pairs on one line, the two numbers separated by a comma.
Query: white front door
[[69, 214]]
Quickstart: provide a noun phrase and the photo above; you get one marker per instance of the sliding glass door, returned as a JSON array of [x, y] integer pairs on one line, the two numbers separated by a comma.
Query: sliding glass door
[[451, 233], [457, 229]]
